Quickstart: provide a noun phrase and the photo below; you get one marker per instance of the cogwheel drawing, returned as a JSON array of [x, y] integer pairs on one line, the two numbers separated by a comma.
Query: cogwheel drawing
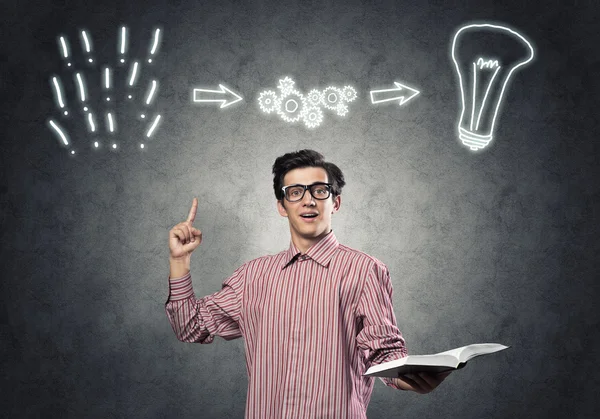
[[332, 97], [268, 101], [291, 106], [341, 109], [286, 85], [312, 117], [349, 93], [315, 97]]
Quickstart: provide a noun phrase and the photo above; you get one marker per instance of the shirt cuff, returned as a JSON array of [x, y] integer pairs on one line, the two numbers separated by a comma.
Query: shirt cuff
[[180, 288]]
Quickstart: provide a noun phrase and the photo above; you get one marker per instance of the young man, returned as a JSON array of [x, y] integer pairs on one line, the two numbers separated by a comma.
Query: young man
[[314, 317]]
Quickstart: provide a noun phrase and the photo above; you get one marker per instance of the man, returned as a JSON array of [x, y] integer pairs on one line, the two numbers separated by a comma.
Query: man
[[314, 317]]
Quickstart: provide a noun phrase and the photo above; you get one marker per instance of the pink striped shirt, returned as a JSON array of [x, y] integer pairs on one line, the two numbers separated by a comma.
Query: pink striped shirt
[[312, 324]]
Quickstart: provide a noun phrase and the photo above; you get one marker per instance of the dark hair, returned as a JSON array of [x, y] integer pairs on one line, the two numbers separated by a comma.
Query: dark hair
[[306, 158]]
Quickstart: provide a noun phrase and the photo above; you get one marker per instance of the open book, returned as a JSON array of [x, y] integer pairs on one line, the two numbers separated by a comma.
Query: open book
[[434, 363]]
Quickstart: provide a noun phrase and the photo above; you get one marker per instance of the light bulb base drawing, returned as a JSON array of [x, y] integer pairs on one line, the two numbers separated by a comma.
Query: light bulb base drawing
[[472, 140]]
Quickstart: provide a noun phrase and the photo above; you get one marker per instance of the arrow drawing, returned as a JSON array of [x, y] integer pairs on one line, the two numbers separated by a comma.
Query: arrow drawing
[[398, 93], [216, 96]]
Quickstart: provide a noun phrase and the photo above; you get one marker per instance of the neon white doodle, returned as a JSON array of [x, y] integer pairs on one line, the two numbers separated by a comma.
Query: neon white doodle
[[152, 92], [59, 131], [64, 49], [226, 97], [100, 102], [268, 101], [153, 126], [87, 45], [154, 44], [58, 94], [123, 43], [398, 93], [292, 106], [484, 60]]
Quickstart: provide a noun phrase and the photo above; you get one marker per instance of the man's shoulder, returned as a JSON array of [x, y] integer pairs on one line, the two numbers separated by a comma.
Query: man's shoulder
[[361, 257]]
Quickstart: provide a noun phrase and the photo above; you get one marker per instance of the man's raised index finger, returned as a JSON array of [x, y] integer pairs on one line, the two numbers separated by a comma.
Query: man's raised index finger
[[192, 214]]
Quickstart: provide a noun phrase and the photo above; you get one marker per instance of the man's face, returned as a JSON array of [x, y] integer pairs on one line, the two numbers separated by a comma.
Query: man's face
[[308, 228]]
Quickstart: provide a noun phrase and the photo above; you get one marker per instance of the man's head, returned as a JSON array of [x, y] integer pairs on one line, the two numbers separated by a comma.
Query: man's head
[[305, 183]]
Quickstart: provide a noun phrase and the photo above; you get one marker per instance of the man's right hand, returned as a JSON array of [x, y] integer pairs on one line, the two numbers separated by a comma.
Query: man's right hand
[[184, 238]]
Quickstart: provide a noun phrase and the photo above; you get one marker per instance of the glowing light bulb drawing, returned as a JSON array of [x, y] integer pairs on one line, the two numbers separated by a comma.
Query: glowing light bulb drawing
[[123, 44], [87, 44], [485, 58], [155, 43], [58, 94], [64, 48]]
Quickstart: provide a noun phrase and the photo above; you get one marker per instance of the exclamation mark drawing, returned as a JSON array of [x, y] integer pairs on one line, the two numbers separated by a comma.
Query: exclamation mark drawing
[[152, 89], [151, 130], [58, 94], [83, 97], [123, 44], [87, 45], [64, 49], [59, 131], [133, 76], [107, 82], [155, 43], [110, 117]]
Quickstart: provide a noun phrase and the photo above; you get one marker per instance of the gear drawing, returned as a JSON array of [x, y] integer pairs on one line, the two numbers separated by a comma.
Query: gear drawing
[[286, 85], [313, 116], [292, 106], [332, 97], [315, 97], [341, 109], [268, 101], [349, 93]]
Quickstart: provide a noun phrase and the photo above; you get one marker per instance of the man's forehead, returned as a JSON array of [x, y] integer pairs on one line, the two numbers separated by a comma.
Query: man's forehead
[[305, 176]]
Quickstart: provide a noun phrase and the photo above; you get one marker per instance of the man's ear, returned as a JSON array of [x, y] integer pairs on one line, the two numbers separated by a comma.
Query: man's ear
[[337, 202], [281, 209]]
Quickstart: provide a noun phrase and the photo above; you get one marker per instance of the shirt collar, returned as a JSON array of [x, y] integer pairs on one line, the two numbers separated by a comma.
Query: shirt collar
[[321, 252]]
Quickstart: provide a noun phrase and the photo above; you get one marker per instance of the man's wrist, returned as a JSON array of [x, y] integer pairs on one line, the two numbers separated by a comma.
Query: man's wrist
[[179, 266]]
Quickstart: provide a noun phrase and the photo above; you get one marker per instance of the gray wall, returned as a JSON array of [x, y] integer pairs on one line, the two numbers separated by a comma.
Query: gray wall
[[499, 245]]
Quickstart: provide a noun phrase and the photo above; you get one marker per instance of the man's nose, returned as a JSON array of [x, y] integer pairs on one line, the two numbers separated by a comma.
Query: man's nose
[[308, 201]]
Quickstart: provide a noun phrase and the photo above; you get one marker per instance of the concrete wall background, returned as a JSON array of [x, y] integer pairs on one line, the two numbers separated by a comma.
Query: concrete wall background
[[499, 245]]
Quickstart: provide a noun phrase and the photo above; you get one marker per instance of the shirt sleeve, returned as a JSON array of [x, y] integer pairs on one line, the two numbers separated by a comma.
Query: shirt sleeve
[[379, 337], [200, 320]]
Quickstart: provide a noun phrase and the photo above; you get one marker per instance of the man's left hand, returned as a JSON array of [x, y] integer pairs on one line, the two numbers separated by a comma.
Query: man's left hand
[[421, 382]]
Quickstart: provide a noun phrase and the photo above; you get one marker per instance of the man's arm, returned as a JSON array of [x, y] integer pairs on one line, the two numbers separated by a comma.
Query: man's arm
[[380, 336], [199, 320]]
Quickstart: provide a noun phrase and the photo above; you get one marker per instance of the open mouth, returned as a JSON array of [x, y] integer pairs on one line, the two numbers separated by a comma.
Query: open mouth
[[309, 216]]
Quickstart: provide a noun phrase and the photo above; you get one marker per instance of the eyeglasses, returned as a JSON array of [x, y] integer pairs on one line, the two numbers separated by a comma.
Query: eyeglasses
[[295, 193]]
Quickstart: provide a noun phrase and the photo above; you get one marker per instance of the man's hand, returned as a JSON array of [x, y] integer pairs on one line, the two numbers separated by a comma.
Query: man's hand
[[421, 382], [184, 238]]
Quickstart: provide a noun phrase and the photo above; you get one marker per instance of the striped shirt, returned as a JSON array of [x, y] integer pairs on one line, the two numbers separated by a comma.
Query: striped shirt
[[312, 324]]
